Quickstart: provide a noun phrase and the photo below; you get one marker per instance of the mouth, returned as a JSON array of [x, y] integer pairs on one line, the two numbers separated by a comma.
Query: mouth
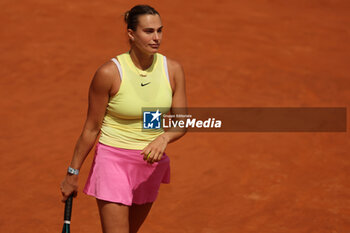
[[154, 46]]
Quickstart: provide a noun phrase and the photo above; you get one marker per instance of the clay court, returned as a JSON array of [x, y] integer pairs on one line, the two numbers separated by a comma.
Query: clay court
[[235, 53]]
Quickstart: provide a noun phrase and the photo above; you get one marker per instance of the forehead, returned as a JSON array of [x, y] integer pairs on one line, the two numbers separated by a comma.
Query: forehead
[[149, 21]]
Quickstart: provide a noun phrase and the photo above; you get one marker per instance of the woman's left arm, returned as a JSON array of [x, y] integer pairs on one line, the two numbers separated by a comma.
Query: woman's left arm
[[154, 151]]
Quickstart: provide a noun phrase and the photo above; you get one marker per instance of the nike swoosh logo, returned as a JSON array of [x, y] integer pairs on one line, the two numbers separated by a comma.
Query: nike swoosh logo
[[144, 84]]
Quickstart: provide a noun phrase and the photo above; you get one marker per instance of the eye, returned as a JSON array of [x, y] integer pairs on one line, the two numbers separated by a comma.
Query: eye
[[149, 31]]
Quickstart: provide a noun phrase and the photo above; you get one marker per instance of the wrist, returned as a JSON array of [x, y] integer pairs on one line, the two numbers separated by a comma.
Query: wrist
[[72, 171], [166, 137]]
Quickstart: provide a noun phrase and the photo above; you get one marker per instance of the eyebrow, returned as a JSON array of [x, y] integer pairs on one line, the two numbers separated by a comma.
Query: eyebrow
[[153, 28]]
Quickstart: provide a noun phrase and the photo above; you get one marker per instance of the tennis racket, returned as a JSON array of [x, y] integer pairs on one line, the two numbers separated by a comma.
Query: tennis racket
[[67, 214]]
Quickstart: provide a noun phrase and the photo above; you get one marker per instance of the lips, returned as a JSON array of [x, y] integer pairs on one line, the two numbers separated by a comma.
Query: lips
[[155, 46]]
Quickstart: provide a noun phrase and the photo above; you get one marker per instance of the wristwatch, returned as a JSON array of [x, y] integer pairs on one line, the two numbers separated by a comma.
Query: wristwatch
[[73, 171]]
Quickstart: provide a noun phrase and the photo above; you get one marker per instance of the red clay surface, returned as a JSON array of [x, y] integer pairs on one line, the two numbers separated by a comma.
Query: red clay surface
[[258, 53]]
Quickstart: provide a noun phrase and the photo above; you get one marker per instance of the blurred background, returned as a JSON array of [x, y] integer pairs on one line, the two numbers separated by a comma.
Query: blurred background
[[235, 53]]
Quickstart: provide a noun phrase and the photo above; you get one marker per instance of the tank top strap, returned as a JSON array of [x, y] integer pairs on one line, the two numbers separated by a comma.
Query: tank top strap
[[116, 62], [165, 64]]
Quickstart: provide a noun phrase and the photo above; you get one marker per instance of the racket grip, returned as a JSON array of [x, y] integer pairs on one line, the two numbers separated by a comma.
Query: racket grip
[[68, 208]]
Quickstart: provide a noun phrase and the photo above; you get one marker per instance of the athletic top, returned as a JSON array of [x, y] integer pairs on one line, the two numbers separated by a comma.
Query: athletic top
[[123, 121]]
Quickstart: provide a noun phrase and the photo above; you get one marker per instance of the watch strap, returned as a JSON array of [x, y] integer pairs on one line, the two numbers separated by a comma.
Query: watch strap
[[73, 171]]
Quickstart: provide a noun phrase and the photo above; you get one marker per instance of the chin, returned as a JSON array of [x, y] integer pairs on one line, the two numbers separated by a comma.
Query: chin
[[152, 50]]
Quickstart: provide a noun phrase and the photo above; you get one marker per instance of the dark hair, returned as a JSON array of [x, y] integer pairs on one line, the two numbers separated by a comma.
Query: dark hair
[[131, 16]]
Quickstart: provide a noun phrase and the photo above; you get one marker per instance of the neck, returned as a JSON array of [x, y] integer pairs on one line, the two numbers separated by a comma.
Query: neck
[[141, 60]]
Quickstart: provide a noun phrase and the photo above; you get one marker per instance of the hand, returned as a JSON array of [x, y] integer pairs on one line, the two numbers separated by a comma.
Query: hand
[[68, 186], [154, 151]]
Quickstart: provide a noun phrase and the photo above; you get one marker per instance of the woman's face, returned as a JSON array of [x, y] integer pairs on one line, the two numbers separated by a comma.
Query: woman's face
[[148, 34]]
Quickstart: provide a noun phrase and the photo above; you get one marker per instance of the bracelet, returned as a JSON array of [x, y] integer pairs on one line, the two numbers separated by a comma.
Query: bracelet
[[73, 171]]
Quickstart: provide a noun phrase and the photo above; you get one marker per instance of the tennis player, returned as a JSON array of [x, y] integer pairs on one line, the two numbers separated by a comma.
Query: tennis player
[[129, 163]]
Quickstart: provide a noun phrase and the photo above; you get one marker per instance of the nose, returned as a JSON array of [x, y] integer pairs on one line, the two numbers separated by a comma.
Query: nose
[[156, 36]]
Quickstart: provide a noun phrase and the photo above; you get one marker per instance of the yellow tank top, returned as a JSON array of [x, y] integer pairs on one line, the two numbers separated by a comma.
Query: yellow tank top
[[123, 123]]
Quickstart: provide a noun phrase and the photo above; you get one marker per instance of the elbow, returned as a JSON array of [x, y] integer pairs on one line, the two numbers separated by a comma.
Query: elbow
[[92, 131]]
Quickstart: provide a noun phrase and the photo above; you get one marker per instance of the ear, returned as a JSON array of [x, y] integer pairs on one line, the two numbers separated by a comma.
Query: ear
[[131, 35]]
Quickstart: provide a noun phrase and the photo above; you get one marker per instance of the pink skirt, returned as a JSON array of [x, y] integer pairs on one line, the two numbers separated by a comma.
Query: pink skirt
[[122, 176]]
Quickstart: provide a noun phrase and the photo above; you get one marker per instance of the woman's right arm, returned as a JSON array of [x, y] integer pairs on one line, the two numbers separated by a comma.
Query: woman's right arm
[[99, 93]]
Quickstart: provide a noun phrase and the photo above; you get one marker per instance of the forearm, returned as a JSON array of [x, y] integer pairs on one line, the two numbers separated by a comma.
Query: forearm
[[82, 148], [173, 134]]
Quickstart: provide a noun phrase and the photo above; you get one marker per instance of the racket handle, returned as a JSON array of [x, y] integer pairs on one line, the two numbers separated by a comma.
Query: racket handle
[[68, 208]]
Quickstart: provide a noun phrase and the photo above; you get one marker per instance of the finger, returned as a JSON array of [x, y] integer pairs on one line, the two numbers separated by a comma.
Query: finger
[[159, 157], [144, 150], [67, 194], [64, 198], [154, 158]]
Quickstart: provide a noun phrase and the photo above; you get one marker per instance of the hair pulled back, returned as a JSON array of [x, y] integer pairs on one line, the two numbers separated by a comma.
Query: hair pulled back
[[131, 16]]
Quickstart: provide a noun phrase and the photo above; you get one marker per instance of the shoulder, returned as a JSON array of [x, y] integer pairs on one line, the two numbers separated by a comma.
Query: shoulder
[[105, 75], [176, 70], [108, 69], [173, 64]]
